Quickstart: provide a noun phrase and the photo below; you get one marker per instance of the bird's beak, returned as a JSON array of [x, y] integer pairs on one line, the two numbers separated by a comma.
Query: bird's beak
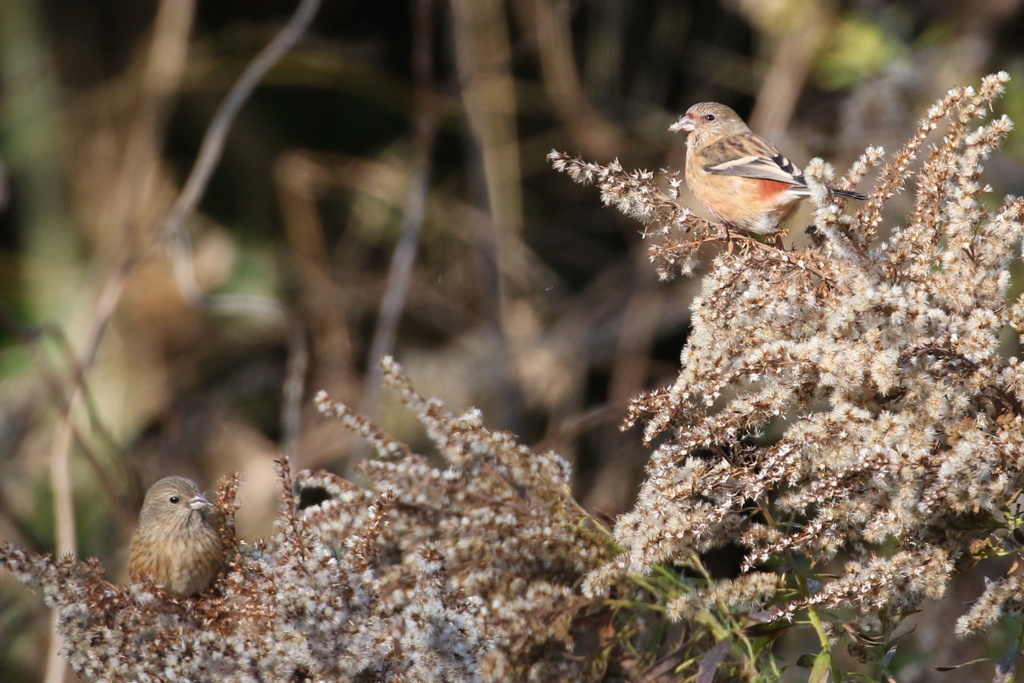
[[684, 123], [198, 503]]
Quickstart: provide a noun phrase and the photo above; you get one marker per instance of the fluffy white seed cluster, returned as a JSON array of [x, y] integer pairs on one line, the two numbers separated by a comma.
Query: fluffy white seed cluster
[[463, 572], [857, 400]]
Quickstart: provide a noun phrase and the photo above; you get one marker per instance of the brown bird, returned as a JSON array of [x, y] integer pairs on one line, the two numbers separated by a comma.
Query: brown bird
[[737, 175], [176, 545]]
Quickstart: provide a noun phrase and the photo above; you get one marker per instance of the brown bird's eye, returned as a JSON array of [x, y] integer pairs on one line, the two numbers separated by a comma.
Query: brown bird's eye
[[709, 117], [174, 500]]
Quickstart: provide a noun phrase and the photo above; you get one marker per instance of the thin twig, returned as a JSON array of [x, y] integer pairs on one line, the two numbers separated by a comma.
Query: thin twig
[[213, 142], [32, 338], [404, 257], [293, 389], [210, 152]]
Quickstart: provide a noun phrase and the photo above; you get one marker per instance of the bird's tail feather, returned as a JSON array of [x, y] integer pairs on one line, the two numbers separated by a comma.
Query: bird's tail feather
[[848, 193]]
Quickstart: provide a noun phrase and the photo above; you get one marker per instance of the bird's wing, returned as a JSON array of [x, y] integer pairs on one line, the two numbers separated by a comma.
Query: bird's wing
[[751, 156]]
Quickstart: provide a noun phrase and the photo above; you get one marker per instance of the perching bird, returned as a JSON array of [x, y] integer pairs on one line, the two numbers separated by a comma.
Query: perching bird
[[176, 544], [736, 174]]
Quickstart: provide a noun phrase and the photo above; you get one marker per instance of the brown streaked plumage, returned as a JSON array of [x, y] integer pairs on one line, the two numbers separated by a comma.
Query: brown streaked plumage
[[176, 545], [740, 177]]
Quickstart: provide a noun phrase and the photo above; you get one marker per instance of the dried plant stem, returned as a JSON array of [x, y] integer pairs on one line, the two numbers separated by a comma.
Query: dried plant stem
[[293, 389], [404, 257], [216, 134], [484, 60], [584, 122], [790, 65], [64, 521], [136, 186], [60, 455]]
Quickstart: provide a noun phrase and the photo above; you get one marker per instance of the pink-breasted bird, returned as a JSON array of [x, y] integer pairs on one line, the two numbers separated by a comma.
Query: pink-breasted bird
[[740, 177]]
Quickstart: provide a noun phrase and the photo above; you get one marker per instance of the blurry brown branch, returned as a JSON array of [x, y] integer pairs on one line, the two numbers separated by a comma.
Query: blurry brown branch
[[293, 388], [216, 134], [172, 227], [483, 58], [790, 64], [60, 383], [404, 256], [550, 22]]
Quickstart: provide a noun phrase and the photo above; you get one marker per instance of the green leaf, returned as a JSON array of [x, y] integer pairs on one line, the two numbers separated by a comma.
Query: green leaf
[[822, 669]]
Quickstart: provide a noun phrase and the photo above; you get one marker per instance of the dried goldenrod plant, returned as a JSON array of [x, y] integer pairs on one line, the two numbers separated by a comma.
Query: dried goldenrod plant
[[882, 365], [458, 572]]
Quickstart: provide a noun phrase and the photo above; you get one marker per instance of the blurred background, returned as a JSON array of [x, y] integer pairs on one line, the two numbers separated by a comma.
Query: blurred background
[[385, 190]]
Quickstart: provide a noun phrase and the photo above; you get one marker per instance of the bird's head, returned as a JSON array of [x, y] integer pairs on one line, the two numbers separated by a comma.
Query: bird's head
[[708, 121], [172, 501]]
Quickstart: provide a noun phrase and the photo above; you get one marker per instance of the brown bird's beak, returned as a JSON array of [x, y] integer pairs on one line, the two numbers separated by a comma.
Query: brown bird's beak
[[685, 122], [198, 503]]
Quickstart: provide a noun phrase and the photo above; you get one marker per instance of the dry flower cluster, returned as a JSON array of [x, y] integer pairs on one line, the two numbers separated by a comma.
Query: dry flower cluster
[[880, 363], [460, 573]]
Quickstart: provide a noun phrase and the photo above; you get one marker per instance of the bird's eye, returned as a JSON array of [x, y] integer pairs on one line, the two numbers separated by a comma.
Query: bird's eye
[[709, 117], [174, 500]]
